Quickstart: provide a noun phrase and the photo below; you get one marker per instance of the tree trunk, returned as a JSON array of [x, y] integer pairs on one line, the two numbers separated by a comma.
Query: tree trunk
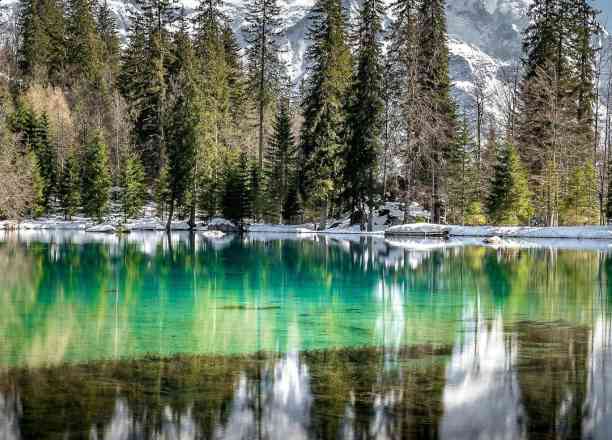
[[323, 219], [170, 213]]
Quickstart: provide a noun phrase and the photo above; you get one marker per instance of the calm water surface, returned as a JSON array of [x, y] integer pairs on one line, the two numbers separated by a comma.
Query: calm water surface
[[279, 337]]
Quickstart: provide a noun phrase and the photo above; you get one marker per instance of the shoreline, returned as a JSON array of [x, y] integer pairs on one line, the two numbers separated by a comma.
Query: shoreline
[[416, 230]]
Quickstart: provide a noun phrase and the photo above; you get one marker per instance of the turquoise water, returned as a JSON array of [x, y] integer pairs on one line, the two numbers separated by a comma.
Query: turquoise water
[[268, 336]]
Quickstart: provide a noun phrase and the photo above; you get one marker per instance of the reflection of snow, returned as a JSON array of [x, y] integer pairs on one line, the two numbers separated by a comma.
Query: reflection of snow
[[385, 424], [124, 425], [597, 423], [10, 409], [390, 323], [279, 408], [481, 396]]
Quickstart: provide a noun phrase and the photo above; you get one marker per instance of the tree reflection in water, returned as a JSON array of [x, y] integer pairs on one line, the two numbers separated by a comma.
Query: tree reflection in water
[[261, 337]]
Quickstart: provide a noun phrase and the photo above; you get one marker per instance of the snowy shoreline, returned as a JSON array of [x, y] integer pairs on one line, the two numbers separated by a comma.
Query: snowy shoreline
[[413, 230]]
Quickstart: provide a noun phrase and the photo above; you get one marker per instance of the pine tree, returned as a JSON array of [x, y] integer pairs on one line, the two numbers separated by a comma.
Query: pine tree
[[262, 32], [183, 128], [236, 201], [323, 106], [96, 179], [438, 124], [509, 199], [70, 186], [37, 132], [83, 49], [134, 191], [580, 203], [42, 38], [463, 183], [144, 74], [280, 164], [108, 32], [365, 114]]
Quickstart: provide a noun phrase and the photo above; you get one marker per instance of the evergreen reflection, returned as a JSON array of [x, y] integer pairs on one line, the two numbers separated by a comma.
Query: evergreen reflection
[[322, 337]]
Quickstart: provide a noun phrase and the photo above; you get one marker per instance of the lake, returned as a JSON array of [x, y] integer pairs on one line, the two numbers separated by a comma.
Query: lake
[[295, 337]]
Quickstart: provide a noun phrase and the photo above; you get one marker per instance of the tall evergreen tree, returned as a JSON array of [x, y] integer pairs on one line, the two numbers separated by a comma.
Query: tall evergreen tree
[[262, 32], [183, 126], [236, 201], [280, 164], [145, 67], [323, 105], [96, 179], [134, 191], [108, 32], [509, 200], [42, 44], [70, 185], [434, 84], [83, 48], [365, 114]]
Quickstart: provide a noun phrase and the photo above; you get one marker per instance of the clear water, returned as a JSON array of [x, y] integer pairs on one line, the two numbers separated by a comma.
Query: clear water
[[269, 336]]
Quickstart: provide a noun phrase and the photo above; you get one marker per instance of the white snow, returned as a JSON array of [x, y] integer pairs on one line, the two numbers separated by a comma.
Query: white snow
[[104, 227], [283, 229], [212, 234], [418, 229], [219, 221], [577, 232]]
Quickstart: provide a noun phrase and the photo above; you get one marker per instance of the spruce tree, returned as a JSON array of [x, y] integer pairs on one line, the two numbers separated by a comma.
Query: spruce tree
[[509, 198], [323, 108], [236, 201], [38, 138], [42, 33], [365, 115], [183, 126], [96, 179], [280, 165], [462, 185], [437, 124], [70, 186], [108, 32], [134, 191], [262, 32], [144, 76], [83, 48]]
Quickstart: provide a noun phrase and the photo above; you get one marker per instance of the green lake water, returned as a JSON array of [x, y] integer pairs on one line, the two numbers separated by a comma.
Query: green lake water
[[283, 337]]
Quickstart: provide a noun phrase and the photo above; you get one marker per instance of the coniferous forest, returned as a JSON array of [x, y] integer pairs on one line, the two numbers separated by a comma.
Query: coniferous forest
[[180, 114]]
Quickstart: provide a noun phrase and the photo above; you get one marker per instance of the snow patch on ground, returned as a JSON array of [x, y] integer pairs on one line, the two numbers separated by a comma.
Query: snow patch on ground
[[418, 229], [283, 229], [576, 232], [106, 228]]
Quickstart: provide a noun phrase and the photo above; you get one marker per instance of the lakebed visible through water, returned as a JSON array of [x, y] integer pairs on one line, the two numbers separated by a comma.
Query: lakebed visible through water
[[288, 337]]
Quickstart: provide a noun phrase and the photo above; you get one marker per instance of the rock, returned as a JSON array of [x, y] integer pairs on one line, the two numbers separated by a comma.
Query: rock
[[105, 228], [495, 240], [223, 225]]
